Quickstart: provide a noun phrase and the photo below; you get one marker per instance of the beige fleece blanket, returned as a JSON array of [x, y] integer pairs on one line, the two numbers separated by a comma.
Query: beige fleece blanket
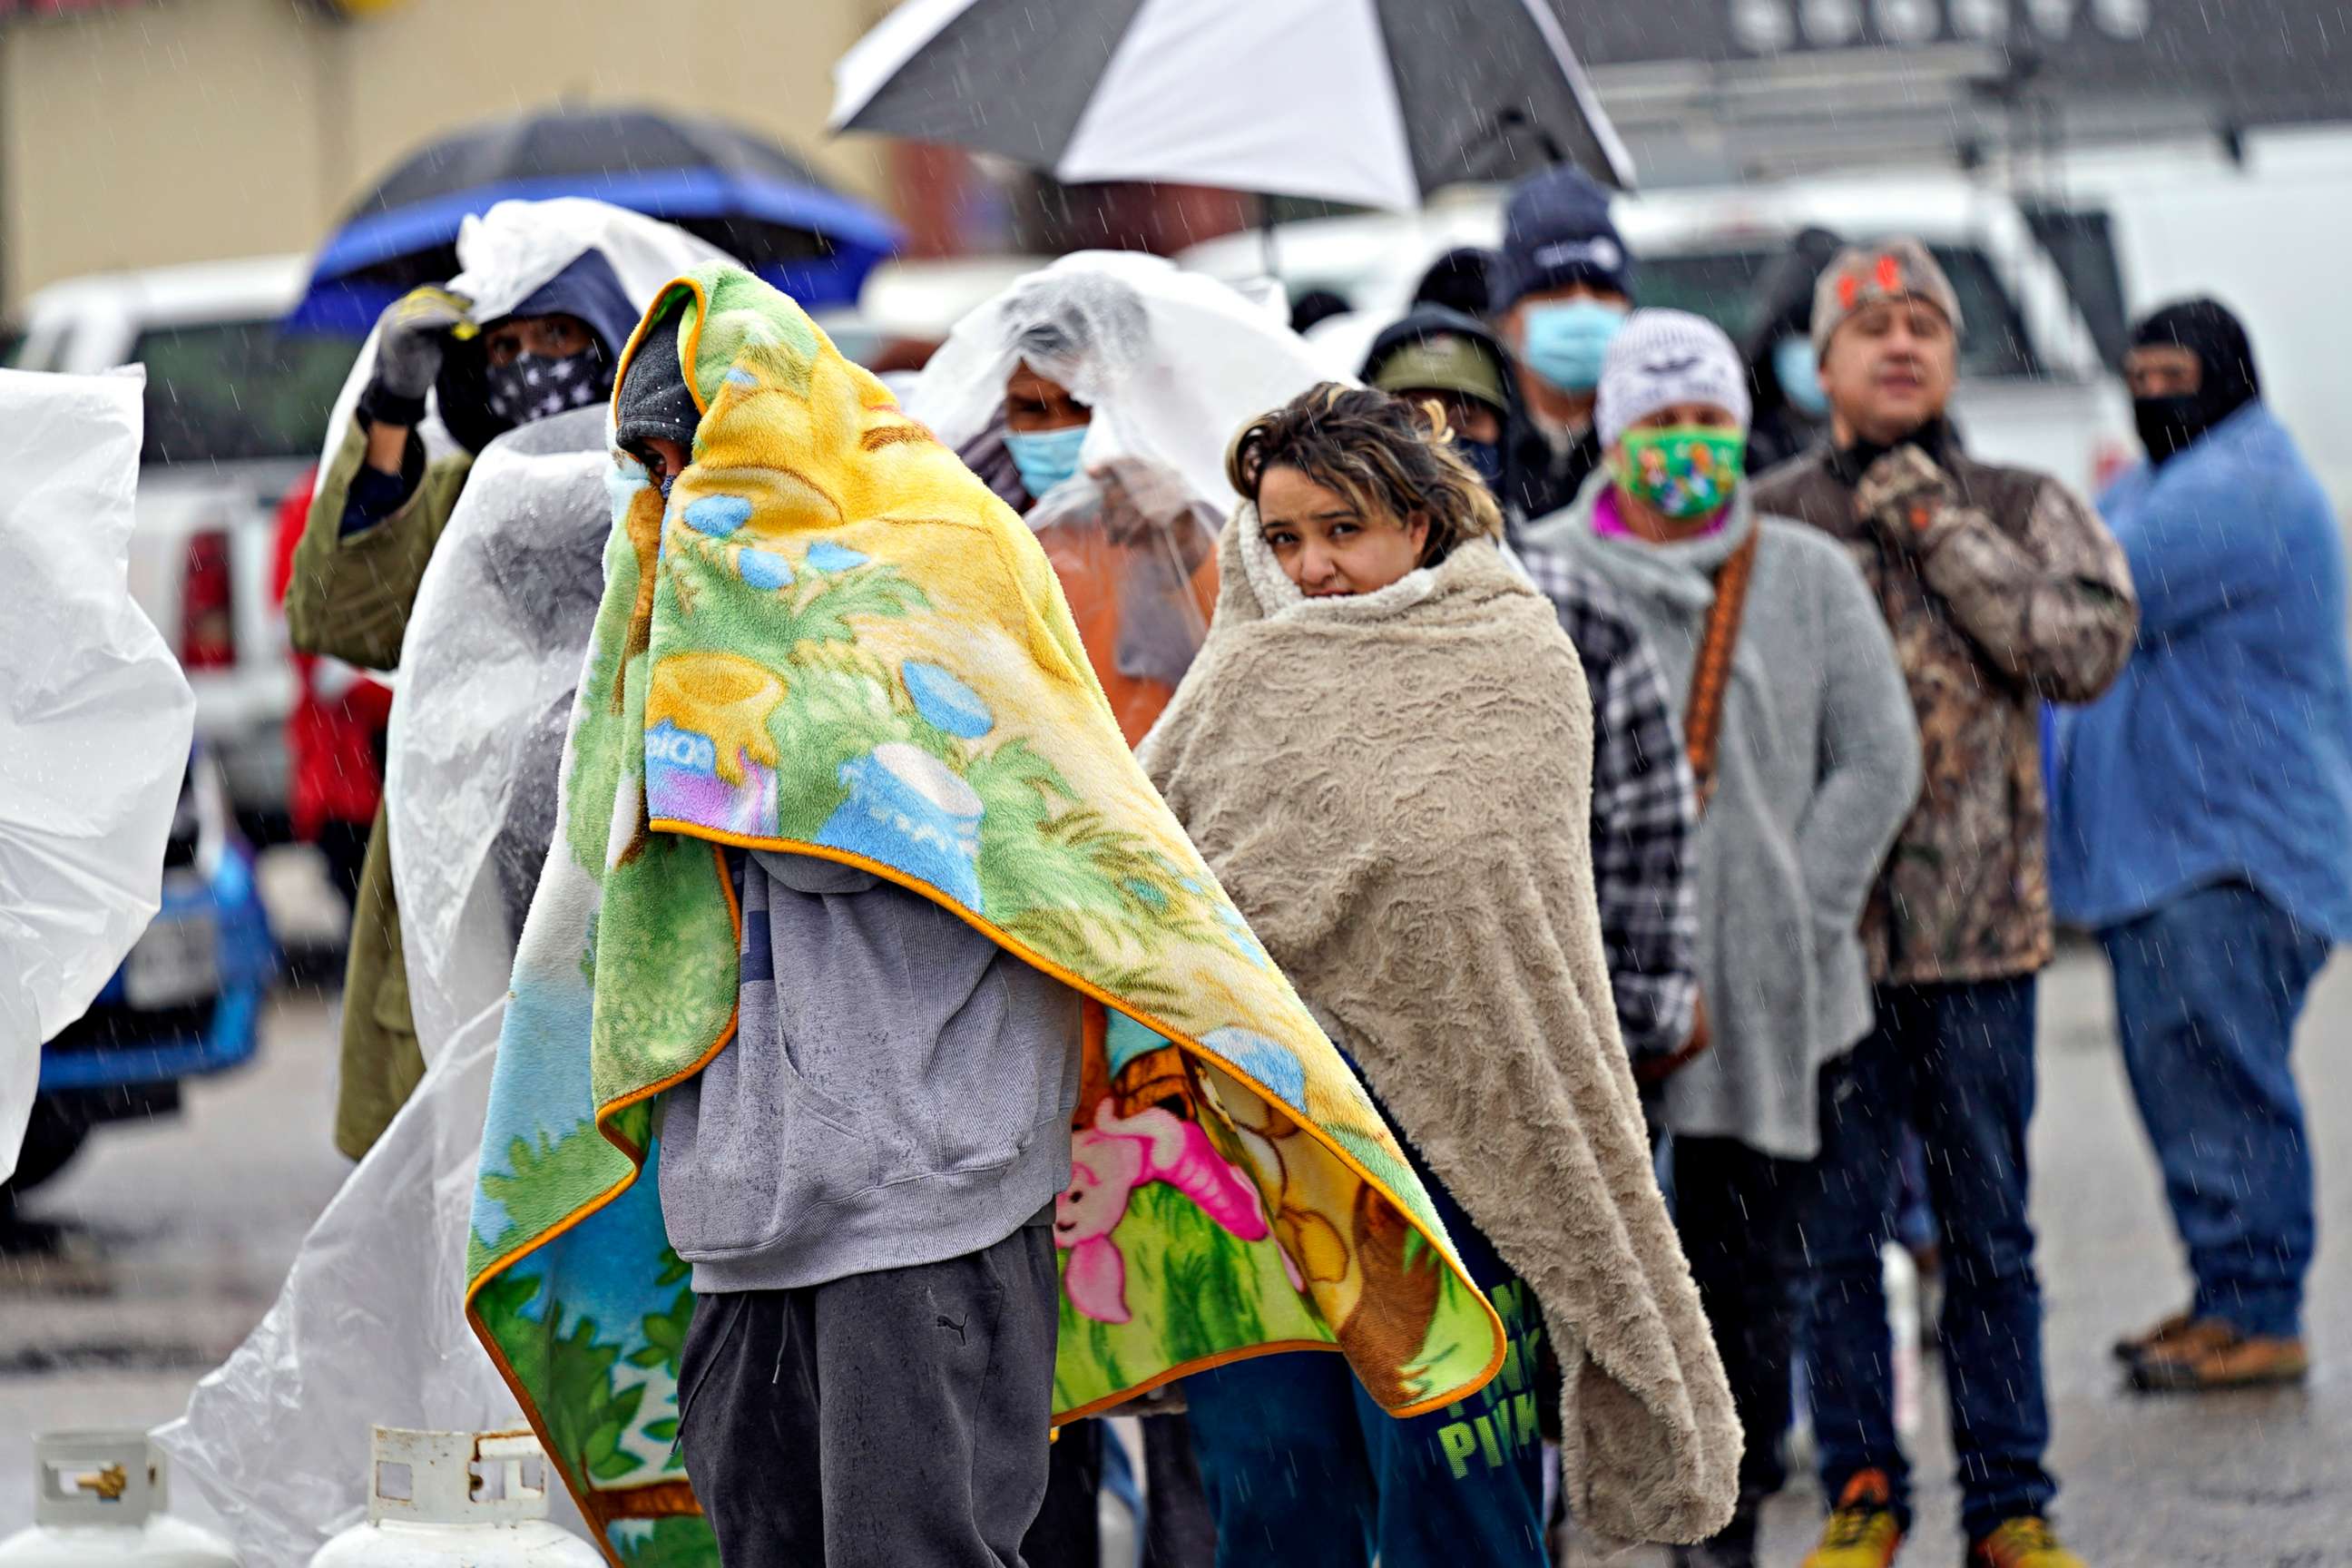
[[1395, 789]]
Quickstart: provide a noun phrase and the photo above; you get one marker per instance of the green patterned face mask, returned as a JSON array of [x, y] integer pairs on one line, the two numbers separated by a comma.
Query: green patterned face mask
[[1684, 473]]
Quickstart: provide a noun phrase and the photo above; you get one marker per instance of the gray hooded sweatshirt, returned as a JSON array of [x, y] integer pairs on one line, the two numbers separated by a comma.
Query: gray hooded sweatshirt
[[1817, 767], [898, 1092]]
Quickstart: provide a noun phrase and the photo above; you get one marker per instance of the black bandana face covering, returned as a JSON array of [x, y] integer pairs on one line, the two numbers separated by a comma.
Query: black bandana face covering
[[531, 387], [2170, 425]]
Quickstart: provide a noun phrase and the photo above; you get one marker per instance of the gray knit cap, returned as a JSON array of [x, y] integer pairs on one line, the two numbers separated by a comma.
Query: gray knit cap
[[1864, 274], [1660, 358]]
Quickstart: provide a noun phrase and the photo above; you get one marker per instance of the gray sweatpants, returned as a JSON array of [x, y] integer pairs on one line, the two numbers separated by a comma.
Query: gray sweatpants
[[896, 1420]]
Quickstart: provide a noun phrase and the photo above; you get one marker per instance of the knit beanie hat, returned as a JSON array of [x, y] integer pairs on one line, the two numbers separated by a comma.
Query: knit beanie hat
[[1864, 274], [653, 398], [1660, 358], [1557, 231]]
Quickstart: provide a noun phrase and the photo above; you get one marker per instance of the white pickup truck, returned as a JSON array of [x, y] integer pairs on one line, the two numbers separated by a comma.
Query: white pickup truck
[[237, 411], [2034, 390]]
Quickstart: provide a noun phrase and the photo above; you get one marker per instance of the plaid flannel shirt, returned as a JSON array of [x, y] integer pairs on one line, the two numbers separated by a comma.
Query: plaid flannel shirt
[[1644, 812]]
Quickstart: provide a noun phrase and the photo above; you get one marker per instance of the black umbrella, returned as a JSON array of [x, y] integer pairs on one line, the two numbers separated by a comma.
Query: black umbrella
[[1376, 102]]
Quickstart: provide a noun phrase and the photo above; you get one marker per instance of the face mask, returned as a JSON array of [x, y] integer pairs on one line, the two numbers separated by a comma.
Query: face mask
[[1565, 342], [1684, 474], [1045, 457], [1486, 457], [1799, 373], [533, 386], [667, 482], [2170, 425]]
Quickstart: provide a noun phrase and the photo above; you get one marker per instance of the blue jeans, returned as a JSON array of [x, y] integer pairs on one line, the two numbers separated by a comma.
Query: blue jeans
[[2207, 988], [1956, 1063], [1302, 1469]]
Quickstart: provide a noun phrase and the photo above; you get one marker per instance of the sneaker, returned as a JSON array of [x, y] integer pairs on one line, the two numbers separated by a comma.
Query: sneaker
[[1863, 1532], [2213, 1356], [2027, 1543], [2139, 1346]]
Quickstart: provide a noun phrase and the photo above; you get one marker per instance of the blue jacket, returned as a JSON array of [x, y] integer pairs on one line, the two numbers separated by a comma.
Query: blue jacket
[[2225, 749]]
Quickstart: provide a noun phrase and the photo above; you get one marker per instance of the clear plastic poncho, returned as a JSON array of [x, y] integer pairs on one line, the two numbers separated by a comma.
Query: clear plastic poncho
[[370, 1326], [1171, 364], [510, 253], [95, 717]]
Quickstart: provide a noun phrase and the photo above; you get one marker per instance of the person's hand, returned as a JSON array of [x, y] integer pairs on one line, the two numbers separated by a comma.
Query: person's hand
[[1904, 496], [1656, 1069], [413, 334]]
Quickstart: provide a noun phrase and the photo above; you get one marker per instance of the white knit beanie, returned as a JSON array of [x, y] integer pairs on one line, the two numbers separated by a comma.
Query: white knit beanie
[[1660, 358]]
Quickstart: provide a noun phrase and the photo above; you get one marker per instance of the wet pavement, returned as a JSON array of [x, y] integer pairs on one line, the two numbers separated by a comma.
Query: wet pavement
[[174, 1236]]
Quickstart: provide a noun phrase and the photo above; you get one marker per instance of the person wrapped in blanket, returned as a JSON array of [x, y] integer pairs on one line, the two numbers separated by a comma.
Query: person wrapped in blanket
[[379, 509], [1093, 397], [876, 1388], [1384, 752]]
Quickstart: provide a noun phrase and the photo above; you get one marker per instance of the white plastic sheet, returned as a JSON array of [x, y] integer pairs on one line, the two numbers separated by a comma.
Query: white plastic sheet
[[508, 253], [370, 1326], [95, 716], [1172, 363], [486, 676]]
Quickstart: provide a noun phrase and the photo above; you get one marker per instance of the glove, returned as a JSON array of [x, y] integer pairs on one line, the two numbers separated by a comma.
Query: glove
[[1906, 497], [411, 338]]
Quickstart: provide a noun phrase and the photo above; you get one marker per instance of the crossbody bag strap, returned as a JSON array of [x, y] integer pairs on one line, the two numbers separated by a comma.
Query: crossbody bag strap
[[1711, 672]]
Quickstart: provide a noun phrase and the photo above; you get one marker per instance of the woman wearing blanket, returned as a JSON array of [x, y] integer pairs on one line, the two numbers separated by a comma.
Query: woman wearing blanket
[[1802, 736], [1384, 750]]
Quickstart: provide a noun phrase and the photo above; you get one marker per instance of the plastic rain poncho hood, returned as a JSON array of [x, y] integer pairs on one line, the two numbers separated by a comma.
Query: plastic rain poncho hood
[[1172, 364], [511, 252]]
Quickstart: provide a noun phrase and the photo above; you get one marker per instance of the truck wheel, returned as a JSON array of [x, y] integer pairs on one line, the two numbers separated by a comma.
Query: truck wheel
[[52, 1139]]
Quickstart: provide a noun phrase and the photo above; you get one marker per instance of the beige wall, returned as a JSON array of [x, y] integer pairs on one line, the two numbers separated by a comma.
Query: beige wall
[[194, 130]]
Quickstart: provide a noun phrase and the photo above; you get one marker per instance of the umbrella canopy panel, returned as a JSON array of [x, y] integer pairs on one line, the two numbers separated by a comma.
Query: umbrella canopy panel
[[1369, 101], [723, 184]]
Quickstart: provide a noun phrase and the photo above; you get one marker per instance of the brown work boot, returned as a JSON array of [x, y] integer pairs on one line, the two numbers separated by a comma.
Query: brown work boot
[[1865, 1531], [2136, 1347], [2027, 1543], [2213, 1356]]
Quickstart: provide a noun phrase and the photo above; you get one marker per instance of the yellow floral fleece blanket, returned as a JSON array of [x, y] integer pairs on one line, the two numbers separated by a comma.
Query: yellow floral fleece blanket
[[832, 640]]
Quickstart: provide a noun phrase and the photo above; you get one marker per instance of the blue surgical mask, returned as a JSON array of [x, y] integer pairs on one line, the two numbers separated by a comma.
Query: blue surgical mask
[[1565, 342], [1799, 371], [1486, 457], [1045, 457]]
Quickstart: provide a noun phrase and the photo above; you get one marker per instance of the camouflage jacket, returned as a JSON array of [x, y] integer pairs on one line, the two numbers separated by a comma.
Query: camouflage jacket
[[2002, 588]]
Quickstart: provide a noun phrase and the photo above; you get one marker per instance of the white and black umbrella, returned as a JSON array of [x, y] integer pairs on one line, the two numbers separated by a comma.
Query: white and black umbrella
[[1374, 102]]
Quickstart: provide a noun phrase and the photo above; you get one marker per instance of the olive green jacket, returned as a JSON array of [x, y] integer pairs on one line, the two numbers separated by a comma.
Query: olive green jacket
[[349, 599]]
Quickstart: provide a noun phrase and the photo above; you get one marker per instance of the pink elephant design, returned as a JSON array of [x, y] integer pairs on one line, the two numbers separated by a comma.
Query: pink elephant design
[[1107, 1163]]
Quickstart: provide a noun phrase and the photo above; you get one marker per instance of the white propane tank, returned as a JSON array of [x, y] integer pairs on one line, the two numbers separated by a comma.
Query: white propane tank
[[457, 1500], [98, 1503]]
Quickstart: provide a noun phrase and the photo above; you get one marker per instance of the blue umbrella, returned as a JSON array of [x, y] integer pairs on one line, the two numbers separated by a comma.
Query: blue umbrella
[[725, 184]]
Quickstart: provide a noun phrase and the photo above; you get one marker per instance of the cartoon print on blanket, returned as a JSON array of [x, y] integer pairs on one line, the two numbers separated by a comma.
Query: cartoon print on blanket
[[832, 640]]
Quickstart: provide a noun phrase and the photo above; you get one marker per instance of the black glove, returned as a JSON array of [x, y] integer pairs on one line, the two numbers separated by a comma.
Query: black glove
[[411, 337]]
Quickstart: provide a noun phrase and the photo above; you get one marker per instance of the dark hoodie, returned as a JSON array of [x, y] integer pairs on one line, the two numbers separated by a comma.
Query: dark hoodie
[[586, 288], [1426, 322], [2170, 425], [1779, 429]]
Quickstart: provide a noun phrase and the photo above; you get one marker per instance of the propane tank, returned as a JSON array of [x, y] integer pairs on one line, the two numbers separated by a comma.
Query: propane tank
[[440, 1500], [98, 1503]]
